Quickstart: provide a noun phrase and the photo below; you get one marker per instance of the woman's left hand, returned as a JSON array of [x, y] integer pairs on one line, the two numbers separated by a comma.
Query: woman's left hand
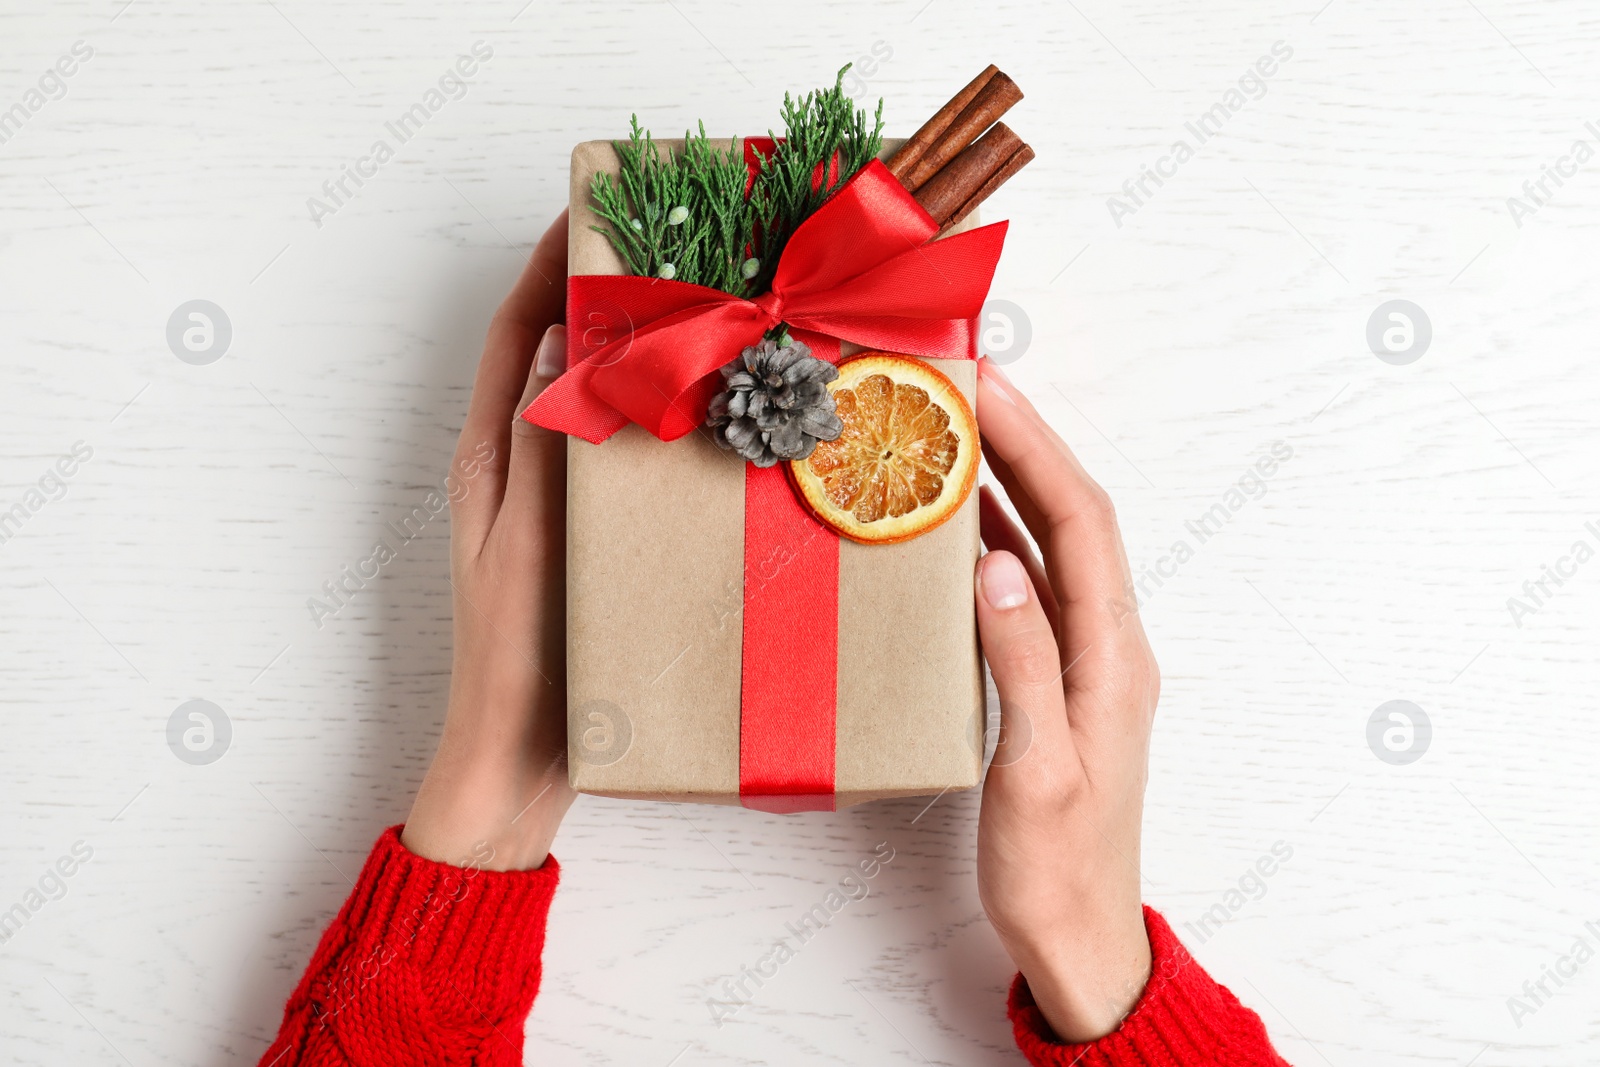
[[497, 788]]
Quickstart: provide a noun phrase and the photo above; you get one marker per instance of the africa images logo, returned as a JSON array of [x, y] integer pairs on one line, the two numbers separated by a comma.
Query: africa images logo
[[1252, 85], [453, 84], [51, 85]]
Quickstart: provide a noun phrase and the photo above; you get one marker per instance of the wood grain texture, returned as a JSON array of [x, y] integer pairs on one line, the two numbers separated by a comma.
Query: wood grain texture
[[1226, 313]]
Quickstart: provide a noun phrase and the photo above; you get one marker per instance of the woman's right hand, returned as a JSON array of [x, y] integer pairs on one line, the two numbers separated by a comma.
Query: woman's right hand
[[1058, 837]]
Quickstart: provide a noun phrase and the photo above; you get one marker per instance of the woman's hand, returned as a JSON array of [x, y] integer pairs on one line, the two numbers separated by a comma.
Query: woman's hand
[[497, 788], [1058, 839]]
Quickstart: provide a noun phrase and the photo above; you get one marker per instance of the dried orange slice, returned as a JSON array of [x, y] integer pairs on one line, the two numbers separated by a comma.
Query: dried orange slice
[[907, 457]]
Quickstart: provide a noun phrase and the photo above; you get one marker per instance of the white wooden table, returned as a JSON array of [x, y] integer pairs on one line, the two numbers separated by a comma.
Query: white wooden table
[[1227, 311]]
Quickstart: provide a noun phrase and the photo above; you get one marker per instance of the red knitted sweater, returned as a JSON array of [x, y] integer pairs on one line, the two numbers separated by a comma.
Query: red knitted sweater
[[429, 964]]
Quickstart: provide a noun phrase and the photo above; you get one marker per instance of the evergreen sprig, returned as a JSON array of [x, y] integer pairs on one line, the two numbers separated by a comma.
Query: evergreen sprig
[[686, 216], [680, 217], [825, 142]]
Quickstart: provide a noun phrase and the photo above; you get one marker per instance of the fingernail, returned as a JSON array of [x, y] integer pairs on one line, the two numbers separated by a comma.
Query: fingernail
[[990, 371], [550, 361], [1002, 581], [993, 368]]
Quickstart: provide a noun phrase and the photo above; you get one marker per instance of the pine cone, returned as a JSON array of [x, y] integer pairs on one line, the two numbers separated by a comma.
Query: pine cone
[[775, 404]]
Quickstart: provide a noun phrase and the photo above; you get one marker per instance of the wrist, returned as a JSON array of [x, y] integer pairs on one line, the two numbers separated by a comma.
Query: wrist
[[496, 825], [512, 730], [1085, 982], [496, 790]]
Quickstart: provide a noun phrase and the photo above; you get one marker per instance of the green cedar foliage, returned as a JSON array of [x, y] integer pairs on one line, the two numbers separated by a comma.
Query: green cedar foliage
[[685, 215]]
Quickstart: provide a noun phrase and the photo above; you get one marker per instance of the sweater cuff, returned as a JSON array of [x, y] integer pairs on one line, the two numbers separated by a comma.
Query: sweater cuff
[[470, 939], [1183, 1016]]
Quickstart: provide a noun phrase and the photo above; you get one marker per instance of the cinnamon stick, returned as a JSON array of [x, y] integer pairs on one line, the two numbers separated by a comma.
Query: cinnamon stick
[[912, 151], [1021, 158], [992, 100], [969, 178]]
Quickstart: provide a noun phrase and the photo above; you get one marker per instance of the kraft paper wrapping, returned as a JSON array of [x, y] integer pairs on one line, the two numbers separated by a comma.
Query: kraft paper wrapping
[[655, 571]]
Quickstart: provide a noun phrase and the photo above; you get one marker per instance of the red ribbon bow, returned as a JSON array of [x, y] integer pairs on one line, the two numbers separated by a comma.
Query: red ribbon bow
[[862, 268]]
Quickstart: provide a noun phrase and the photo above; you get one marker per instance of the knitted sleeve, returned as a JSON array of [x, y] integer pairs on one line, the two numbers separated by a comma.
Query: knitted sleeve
[[426, 963], [1183, 1019]]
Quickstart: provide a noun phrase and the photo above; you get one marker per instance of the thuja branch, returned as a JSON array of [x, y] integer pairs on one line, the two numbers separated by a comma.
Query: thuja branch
[[686, 216], [826, 141], [683, 216]]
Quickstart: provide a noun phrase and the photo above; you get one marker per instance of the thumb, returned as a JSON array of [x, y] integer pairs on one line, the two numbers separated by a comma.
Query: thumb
[[1024, 660], [536, 484]]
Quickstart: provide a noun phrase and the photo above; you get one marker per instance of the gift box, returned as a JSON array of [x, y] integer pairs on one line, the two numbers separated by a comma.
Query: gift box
[[656, 586], [724, 643]]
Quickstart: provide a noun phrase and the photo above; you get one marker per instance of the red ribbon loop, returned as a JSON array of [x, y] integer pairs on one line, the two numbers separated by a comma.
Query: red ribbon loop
[[863, 268]]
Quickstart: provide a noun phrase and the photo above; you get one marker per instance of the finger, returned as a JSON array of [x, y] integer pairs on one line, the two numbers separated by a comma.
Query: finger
[[1032, 518], [534, 304], [536, 482], [1034, 521], [1026, 665], [1073, 520], [1001, 533], [540, 292]]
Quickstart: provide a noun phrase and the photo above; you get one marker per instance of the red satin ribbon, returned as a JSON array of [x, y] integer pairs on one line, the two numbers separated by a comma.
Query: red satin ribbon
[[863, 268], [788, 701]]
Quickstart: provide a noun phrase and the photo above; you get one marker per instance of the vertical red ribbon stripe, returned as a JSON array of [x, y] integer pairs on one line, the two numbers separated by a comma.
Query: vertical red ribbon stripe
[[789, 663]]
